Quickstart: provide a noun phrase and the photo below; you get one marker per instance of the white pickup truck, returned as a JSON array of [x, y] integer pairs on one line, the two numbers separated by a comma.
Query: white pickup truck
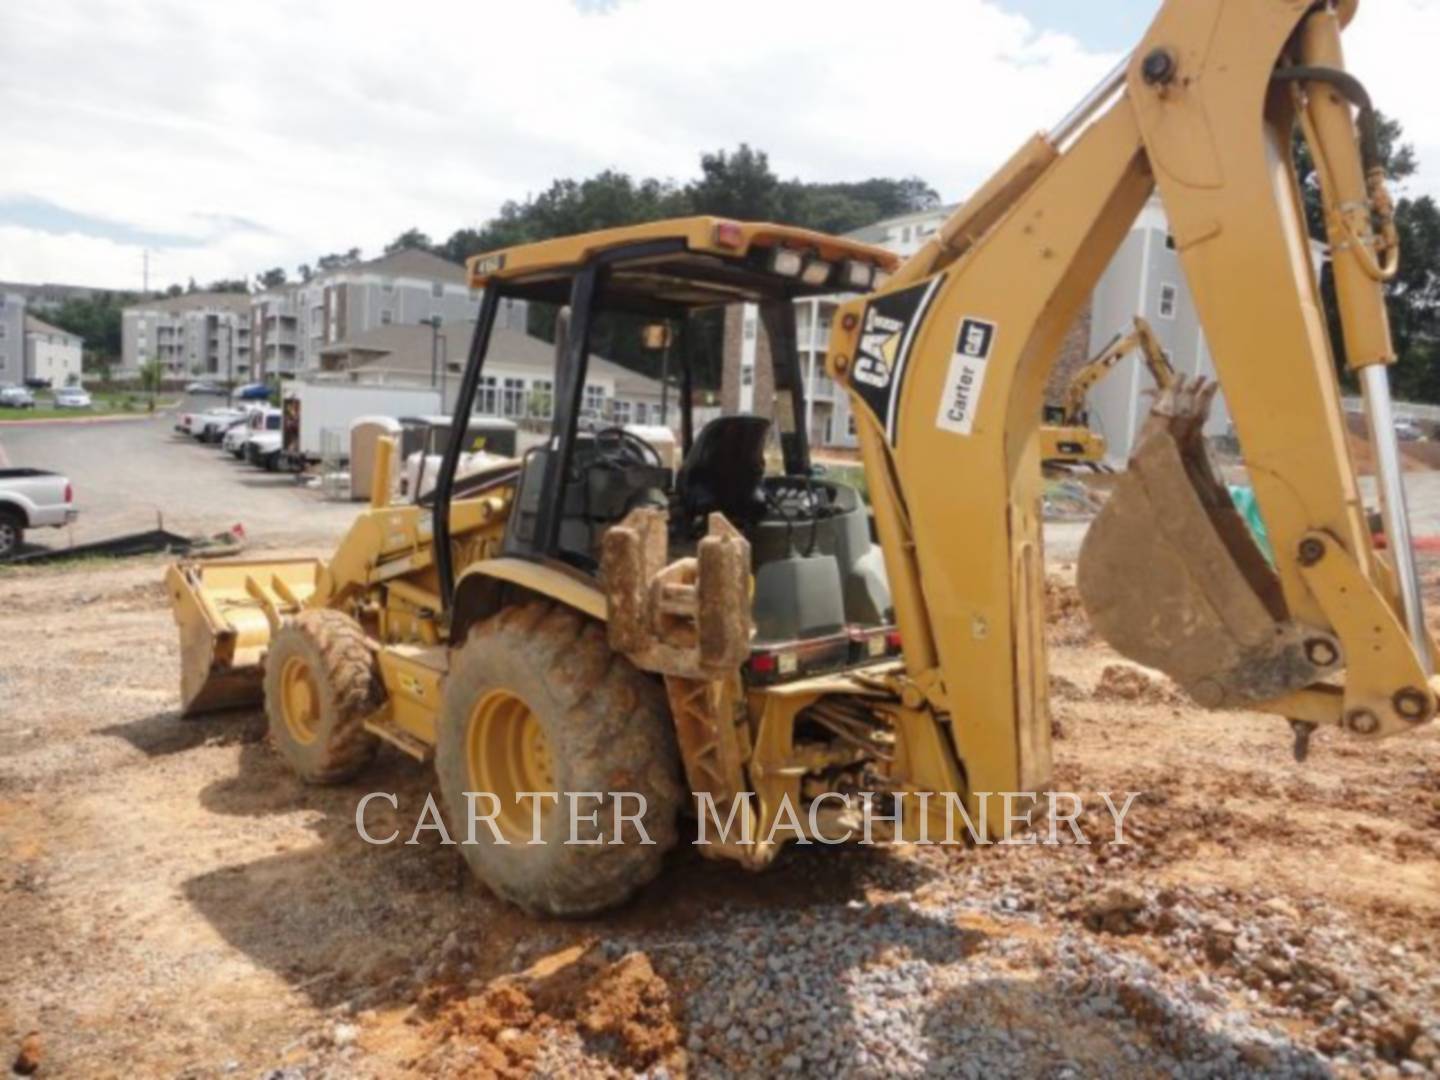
[[32, 499]]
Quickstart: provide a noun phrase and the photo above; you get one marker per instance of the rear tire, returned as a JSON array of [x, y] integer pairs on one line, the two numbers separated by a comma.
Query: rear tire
[[538, 686], [320, 684], [12, 533]]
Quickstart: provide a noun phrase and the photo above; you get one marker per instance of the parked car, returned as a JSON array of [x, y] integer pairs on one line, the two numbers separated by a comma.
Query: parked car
[[1408, 431], [16, 397], [252, 392], [210, 427], [72, 397], [32, 499], [202, 388], [263, 450], [260, 420], [37, 383]]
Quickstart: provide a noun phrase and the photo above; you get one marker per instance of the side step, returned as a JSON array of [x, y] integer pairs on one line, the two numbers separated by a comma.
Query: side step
[[381, 724]]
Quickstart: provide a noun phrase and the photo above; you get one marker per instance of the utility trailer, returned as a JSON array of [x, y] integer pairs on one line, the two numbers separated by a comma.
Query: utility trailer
[[313, 408]]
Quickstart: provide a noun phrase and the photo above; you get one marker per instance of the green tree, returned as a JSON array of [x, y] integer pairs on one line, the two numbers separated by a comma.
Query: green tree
[[408, 240], [1413, 298], [338, 260], [739, 184], [96, 319], [273, 278], [151, 375]]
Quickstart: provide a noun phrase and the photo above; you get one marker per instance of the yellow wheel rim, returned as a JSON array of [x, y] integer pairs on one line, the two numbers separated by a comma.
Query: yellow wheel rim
[[299, 700], [506, 753]]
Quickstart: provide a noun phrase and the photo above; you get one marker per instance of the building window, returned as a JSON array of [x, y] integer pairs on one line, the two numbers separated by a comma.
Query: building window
[[622, 412], [542, 399], [747, 375], [850, 425], [385, 318], [512, 401], [594, 400], [437, 290], [642, 413], [1169, 296], [1169, 241], [486, 397], [749, 329]]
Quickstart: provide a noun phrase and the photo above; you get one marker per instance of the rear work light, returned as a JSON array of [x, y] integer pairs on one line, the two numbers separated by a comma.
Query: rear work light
[[816, 272], [786, 263], [856, 275], [69, 494]]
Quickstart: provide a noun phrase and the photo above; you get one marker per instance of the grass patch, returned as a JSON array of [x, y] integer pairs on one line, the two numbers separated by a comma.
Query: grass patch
[[115, 404]]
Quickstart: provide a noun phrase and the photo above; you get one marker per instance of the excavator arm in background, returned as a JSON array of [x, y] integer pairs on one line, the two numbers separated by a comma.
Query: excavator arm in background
[[946, 368], [1141, 337], [1070, 440]]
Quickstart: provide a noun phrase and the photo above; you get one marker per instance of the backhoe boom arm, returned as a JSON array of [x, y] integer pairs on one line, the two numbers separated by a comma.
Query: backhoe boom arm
[[947, 367]]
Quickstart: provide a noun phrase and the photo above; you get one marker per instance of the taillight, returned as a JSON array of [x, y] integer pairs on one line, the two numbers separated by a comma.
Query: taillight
[[69, 493]]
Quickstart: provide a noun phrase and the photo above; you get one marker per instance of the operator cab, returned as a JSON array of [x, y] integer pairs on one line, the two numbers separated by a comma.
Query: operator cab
[[821, 597]]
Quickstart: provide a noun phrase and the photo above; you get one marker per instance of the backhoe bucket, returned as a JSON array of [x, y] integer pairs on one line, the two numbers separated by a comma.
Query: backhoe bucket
[[226, 613], [1172, 578]]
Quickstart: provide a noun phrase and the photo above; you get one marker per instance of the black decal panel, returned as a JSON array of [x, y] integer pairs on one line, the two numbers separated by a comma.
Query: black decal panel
[[887, 335]]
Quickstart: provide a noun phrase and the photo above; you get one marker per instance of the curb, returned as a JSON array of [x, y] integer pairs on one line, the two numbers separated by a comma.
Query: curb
[[123, 418]]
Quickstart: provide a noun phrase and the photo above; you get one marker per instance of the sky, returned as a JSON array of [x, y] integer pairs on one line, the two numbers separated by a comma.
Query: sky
[[225, 139]]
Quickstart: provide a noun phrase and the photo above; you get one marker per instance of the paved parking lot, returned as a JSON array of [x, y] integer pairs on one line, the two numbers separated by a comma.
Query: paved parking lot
[[129, 473]]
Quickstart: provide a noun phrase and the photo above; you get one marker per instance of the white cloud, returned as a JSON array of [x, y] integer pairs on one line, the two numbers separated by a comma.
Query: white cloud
[[334, 125], [1392, 46]]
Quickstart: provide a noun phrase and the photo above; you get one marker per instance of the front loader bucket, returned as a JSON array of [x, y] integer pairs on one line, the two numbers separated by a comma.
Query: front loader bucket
[[226, 613], [1172, 578]]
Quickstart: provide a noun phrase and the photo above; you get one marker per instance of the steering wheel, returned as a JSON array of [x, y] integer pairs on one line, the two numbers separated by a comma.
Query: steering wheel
[[801, 489], [629, 441]]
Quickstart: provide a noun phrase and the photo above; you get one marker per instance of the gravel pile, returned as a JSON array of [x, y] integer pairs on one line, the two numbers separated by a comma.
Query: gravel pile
[[974, 974]]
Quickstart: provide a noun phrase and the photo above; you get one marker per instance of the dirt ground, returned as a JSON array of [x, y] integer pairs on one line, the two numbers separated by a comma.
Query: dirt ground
[[173, 903]]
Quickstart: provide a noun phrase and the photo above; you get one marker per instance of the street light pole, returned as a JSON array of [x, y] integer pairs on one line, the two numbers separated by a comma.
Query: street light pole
[[434, 324], [444, 363]]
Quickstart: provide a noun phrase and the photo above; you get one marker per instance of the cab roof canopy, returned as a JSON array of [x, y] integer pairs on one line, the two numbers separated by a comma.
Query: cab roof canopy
[[668, 268]]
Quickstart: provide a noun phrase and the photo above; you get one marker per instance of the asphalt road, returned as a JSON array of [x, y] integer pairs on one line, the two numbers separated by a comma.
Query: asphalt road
[[129, 474]]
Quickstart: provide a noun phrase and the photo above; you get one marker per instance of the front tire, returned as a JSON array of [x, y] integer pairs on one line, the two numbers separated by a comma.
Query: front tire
[[320, 684], [536, 701]]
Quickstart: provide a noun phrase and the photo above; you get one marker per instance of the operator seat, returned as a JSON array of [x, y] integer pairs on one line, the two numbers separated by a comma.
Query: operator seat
[[723, 472]]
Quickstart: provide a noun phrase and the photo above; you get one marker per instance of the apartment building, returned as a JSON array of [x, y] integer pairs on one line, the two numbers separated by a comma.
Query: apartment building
[[1145, 278], [292, 326], [12, 338], [52, 355], [32, 349], [192, 335], [518, 380]]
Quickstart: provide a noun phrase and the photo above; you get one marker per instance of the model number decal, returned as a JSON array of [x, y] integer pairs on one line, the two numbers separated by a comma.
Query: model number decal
[[966, 380]]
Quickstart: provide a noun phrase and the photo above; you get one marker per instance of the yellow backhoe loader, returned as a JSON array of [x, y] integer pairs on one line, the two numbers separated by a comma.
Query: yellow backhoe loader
[[1067, 438], [587, 620]]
